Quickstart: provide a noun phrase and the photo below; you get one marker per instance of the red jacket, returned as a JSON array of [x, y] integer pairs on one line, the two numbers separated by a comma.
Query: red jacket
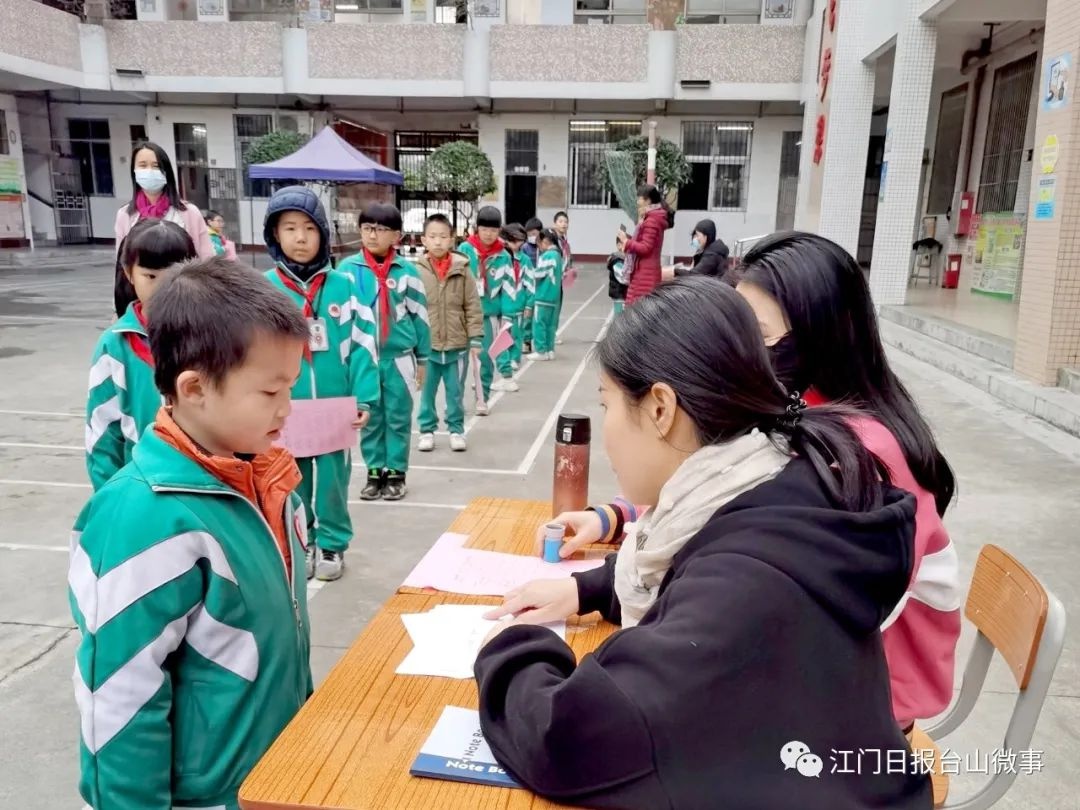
[[645, 246]]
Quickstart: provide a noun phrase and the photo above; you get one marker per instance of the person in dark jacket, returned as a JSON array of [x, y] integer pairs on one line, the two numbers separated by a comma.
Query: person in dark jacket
[[617, 287], [710, 253], [644, 248], [532, 234], [750, 597]]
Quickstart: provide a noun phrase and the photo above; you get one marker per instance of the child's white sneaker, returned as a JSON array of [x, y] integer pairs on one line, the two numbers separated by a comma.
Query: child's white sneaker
[[457, 443], [426, 443], [506, 384], [549, 356], [515, 365], [535, 356], [482, 409], [309, 561], [330, 565]]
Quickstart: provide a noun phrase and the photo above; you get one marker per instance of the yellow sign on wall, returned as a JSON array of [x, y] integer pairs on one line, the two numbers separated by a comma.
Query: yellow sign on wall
[[1048, 156]]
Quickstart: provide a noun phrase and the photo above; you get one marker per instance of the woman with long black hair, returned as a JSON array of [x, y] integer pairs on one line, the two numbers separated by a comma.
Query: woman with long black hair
[[750, 596], [643, 249]]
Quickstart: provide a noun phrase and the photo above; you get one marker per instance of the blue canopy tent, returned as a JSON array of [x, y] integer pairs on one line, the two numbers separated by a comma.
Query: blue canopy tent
[[326, 158]]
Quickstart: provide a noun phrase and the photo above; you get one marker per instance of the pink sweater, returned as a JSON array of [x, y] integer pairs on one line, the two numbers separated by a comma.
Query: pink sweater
[[192, 221], [921, 634]]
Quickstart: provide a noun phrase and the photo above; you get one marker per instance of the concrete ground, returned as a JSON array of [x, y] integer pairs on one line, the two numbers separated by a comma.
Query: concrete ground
[[1018, 484]]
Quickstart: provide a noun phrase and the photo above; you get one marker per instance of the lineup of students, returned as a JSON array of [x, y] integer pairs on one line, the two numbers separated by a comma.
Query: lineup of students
[[793, 579]]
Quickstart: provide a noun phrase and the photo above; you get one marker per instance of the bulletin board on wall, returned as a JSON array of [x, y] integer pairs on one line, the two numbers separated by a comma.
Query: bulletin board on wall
[[12, 225], [999, 255]]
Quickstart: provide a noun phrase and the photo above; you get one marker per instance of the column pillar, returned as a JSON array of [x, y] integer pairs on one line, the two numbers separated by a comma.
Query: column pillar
[[1048, 328], [847, 84], [909, 107]]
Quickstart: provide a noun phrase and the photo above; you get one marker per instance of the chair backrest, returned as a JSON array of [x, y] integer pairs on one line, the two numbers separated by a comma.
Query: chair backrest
[[1023, 621], [1008, 605]]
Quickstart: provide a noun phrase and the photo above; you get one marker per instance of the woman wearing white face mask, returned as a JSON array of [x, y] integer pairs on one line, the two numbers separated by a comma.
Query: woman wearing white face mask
[[155, 194]]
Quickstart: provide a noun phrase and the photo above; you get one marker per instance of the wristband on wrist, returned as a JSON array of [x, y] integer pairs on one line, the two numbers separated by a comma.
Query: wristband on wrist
[[605, 522]]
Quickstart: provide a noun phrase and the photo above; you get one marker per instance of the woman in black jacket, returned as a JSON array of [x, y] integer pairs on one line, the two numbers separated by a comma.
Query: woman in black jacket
[[710, 253], [750, 660]]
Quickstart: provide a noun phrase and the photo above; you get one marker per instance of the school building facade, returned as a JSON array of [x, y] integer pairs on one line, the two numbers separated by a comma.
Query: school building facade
[[874, 122]]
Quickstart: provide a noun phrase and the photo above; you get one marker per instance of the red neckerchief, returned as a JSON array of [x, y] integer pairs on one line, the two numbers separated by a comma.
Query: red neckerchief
[[517, 271], [485, 252], [441, 266], [382, 273], [139, 344], [309, 295]]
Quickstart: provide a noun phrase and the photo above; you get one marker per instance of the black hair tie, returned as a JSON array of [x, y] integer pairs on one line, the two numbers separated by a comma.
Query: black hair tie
[[793, 412]]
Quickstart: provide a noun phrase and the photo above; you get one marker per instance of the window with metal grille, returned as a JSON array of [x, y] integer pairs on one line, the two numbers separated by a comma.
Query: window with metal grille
[[589, 142], [723, 11], [248, 129], [622, 12], [947, 141], [522, 151], [1004, 149], [368, 6], [192, 163], [90, 145], [138, 135], [719, 157], [5, 146]]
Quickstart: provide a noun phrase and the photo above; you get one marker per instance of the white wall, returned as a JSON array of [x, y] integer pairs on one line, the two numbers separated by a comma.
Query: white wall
[[36, 146], [11, 113], [593, 231]]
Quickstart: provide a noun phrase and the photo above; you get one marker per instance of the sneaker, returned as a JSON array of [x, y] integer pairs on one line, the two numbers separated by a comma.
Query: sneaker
[[395, 488], [482, 409], [329, 565], [457, 443], [506, 384], [549, 356], [373, 490], [535, 356], [309, 561], [426, 443], [515, 365], [527, 347]]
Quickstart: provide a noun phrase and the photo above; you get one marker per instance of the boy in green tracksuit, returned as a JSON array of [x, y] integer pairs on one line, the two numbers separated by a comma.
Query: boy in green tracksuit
[[457, 331], [122, 399], [341, 360], [549, 272], [184, 577], [513, 235], [493, 269], [391, 287]]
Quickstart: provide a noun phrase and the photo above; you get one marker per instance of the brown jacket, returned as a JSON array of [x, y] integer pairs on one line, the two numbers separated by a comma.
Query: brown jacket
[[453, 305]]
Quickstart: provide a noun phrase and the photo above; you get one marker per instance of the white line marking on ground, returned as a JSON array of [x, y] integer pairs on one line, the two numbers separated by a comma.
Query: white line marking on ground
[[99, 322], [31, 547], [4, 412], [544, 434], [457, 507], [28, 446], [20, 482], [313, 587]]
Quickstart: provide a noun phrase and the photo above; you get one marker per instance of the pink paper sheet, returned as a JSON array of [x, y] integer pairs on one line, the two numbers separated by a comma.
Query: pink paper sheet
[[319, 426], [450, 567], [568, 279], [503, 341]]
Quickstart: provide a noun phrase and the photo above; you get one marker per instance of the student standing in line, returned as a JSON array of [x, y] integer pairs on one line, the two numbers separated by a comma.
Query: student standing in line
[[749, 598], [532, 251], [562, 228], [122, 399], [457, 332], [493, 270], [215, 223], [513, 236], [184, 578], [391, 287], [340, 361], [549, 276]]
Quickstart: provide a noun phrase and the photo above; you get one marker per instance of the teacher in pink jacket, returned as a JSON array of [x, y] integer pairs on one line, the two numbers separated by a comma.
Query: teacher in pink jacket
[[157, 195]]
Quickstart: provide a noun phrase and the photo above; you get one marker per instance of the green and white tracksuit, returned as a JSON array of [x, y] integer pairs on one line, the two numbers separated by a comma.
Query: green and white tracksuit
[[498, 290], [122, 399], [405, 343], [344, 364], [549, 276], [518, 308], [527, 294], [195, 639]]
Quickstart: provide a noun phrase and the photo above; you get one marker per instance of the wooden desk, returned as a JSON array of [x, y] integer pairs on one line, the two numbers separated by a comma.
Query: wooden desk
[[352, 744]]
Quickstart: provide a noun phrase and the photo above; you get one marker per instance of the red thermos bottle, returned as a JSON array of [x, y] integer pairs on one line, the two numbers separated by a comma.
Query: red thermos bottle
[[570, 489]]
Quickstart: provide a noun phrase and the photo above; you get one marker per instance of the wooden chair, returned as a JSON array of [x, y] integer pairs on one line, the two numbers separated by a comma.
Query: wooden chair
[[1015, 615]]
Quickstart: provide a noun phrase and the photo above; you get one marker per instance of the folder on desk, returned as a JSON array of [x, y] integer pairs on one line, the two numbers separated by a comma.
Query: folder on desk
[[457, 751]]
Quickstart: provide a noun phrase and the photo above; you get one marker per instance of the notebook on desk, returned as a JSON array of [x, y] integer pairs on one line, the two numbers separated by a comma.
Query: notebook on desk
[[456, 750]]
